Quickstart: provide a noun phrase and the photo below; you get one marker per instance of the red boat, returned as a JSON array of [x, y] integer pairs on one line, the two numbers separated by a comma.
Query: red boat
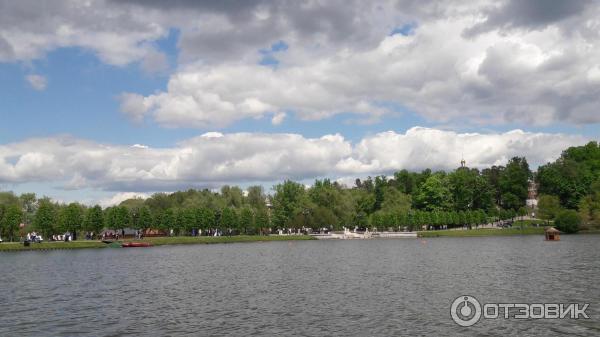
[[136, 244]]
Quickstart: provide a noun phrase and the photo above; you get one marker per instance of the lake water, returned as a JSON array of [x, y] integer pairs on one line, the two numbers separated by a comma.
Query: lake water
[[384, 287]]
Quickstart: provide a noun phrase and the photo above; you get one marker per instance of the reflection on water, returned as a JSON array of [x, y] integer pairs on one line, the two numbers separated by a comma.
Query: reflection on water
[[308, 288]]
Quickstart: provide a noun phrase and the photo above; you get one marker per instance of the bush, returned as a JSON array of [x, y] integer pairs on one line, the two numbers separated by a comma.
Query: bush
[[568, 221]]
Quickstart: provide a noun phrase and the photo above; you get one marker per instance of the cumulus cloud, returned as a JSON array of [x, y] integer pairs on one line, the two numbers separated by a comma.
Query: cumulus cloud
[[421, 148], [278, 118], [118, 35], [536, 77], [481, 62], [529, 14], [37, 82], [215, 158], [134, 106], [120, 197]]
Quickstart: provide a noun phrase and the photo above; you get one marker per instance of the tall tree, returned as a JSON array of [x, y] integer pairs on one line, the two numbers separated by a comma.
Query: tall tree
[[45, 218], [405, 181], [256, 197], [288, 201], [10, 220], [232, 195], [246, 219], [514, 183], [205, 218], [145, 218], [589, 208], [434, 194], [94, 220], [229, 219], [121, 217], [261, 220], [548, 207], [29, 203], [186, 220], [70, 218], [571, 176]]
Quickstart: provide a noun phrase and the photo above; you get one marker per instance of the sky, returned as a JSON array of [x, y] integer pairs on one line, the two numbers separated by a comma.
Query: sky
[[105, 100]]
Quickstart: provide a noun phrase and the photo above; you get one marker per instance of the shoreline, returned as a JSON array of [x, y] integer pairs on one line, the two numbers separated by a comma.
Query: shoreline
[[484, 232], [156, 241], [200, 240], [481, 232]]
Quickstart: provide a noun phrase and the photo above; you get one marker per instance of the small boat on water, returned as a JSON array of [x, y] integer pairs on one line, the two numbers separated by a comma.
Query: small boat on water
[[136, 244]]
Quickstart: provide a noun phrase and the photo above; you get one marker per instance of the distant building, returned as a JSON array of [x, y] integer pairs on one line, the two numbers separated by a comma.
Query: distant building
[[532, 194]]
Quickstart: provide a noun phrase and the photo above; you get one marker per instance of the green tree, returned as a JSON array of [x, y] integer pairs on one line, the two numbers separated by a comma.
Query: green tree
[[548, 207], [94, 220], [323, 217], [121, 217], [109, 218], [571, 176], [205, 218], [29, 203], [261, 221], [232, 195], [45, 218], [462, 187], [567, 221], [189, 220], [229, 219], [395, 201], [246, 222], [256, 197], [70, 219], [9, 198], [159, 202], [10, 220], [589, 208], [145, 218], [434, 194], [167, 220], [514, 183], [289, 200], [405, 182]]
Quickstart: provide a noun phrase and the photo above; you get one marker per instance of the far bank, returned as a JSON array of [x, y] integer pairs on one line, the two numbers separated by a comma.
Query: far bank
[[156, 241]]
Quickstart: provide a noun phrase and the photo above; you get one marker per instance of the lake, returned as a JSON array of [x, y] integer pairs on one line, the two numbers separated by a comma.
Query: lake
[[380, 287]]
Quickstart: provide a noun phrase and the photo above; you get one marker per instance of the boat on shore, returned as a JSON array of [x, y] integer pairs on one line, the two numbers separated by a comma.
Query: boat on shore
[[136, 244]]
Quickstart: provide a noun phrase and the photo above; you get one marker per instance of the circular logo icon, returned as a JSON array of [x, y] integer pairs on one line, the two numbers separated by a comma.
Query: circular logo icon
[[465, 310]]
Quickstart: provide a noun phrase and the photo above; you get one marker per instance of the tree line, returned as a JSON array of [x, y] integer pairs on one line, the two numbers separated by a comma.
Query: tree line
[[570, 189], [404, 200]]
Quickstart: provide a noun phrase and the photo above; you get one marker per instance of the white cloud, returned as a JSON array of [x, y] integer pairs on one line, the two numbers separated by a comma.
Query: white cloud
[[421, 148], [37, 82], [134, 106], [214, 158], [534, 77], [278, 118], [120, 197], [483, 62], [118, 36]]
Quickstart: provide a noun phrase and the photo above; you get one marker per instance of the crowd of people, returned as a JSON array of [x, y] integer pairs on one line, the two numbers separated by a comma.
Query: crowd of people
[[34, 237]]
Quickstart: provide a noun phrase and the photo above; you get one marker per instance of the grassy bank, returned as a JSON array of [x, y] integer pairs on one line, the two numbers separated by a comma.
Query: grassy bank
[[482, 232], [532, 223], [184, 240], [176, 240], [14, 246]]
